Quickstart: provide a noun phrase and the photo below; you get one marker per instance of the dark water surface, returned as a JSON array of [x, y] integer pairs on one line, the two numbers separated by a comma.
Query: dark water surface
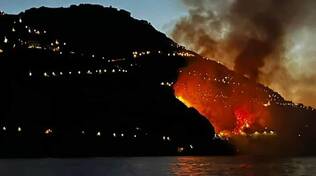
[[151, 166]]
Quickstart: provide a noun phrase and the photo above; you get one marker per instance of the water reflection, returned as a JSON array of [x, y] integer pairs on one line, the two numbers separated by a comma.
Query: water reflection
[[244, 166], [152, 166]]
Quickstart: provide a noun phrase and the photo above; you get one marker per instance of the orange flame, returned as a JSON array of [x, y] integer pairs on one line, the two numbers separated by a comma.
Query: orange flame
[[184, 101], [231, 103]]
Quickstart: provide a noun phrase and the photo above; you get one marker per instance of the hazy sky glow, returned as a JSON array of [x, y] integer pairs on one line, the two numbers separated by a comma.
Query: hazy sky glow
[[158, 12]]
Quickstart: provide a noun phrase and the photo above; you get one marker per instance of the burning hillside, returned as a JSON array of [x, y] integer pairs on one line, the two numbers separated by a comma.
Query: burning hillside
[[270, 41], [233, 103], [264, 41]]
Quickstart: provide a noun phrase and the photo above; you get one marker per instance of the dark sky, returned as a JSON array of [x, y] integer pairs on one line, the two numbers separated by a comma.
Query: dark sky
[[159, 12]]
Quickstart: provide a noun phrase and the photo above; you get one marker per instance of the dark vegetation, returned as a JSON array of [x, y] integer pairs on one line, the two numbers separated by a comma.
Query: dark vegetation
[[71, 87]]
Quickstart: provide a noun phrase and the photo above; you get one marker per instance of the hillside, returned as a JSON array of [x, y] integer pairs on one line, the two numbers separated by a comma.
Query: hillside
[[89, 80], [73, 85]]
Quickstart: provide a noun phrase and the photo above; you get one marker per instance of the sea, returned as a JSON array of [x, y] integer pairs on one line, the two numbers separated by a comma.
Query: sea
[[160, 166]]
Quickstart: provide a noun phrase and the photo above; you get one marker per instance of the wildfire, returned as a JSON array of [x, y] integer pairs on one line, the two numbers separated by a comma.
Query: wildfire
[[184, 101], [232, 104], [243, 120]]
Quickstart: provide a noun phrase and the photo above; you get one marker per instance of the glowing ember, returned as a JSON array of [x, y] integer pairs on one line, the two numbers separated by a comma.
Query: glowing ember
[[184, 101], [243, 120]]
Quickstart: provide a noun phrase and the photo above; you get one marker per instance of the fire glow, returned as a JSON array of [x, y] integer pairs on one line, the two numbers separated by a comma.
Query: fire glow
[[184, 101], [231, 103]]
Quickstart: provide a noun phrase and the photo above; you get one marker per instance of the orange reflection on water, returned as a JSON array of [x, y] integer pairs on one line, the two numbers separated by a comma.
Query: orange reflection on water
[[216, 166], [190, 166], [242, 166]]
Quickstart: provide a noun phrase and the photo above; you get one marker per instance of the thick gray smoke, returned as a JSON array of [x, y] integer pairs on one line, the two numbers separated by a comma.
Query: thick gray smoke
[[271, 41]]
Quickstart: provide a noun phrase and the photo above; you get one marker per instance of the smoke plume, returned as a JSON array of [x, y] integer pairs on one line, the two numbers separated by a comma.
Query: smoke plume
[[270, 41]]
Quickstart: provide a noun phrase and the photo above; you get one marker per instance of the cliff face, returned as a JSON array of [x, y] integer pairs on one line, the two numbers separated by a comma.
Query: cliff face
[[89, 80]]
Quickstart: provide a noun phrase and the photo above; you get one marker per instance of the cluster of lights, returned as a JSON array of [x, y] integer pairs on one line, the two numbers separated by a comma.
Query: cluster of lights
[[57, 46], [79, 72], [137, 132], [33, 31], [264, 133], [115, 135], [185, 54], [169, 84], [278, 100], [272, 97], [137, 54], [28, 29], [19, 129], [49, 131], [54, 46], [293, 105], [166, 138], [223, 80], [182, 149], [213, 59], [226, 134]]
